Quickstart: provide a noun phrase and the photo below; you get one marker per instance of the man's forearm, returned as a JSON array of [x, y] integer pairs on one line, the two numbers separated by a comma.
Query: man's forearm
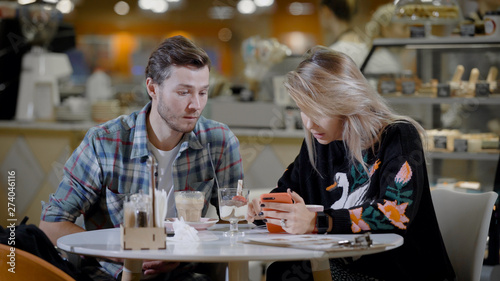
[[54, 230]]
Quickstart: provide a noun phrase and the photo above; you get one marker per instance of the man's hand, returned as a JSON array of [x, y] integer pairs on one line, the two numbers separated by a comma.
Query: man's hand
[[157, 267]]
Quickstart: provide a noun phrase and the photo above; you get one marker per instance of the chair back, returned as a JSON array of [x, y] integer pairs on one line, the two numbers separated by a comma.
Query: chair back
[[464, 220], [28, 267]]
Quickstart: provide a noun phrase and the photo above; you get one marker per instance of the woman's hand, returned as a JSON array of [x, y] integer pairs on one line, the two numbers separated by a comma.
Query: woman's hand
[[254, 211], [157, 267], [298, 219]]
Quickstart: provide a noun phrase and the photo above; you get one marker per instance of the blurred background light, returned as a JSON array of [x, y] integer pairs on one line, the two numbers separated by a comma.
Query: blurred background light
[[122, 8], [246, 7]]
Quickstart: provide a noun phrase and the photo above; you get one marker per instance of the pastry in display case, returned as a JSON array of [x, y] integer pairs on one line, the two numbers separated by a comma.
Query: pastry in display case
[[474, 87], [422, 15], [406, 83], [445, 140], [475, 77], [421, 11], [450, 86]]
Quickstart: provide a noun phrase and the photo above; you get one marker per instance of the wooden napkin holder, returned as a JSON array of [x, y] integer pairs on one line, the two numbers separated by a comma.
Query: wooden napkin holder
[[143, 238]]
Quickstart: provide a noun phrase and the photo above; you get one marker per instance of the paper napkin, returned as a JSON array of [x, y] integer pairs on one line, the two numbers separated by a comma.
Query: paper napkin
[[184, 232]]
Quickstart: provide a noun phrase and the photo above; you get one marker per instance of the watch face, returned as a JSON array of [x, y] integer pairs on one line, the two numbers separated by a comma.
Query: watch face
[[322, 223]]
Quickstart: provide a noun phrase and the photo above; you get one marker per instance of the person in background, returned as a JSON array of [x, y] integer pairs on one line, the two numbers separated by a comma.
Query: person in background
[[385, 60], [115, 159], [336, 19], [366, 166], [382, 26]]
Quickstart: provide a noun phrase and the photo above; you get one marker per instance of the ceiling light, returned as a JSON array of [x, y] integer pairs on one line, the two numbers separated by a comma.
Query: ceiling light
[[122, 8], [146, 4], [298, 8], [221, 12], [25, 2], [246, 7], [264, 3], [159, 6], [65, 6]]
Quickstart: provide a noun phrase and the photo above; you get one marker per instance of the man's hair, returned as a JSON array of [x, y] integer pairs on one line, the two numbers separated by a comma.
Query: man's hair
[[174, 51], [342, 9]]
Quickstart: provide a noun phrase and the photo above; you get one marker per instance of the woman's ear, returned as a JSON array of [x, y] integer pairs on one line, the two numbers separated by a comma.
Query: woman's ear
[[151, 87]]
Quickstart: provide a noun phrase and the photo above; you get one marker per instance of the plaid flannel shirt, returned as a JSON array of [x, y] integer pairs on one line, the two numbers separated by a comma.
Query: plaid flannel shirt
[[113, 161]]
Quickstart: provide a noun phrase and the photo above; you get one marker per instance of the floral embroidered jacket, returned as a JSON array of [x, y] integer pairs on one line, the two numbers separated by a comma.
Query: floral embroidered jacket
[[393, 197]]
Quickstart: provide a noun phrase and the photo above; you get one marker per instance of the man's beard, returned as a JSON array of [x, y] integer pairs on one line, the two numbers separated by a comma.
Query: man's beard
[[171, 119]]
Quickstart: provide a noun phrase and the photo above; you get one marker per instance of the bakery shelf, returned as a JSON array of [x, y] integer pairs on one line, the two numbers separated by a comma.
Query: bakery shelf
[[482, 156], [426, 61], [492, 100], [434, 43]]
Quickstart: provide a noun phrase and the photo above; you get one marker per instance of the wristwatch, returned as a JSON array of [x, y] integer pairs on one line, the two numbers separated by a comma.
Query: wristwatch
[[322, 222]]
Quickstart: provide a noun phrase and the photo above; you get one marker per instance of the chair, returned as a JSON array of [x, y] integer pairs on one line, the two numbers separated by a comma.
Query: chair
[[29, 267], [464, 220]]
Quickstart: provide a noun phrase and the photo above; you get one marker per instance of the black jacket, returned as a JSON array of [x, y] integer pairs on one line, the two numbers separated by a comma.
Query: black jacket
[[393, 197]]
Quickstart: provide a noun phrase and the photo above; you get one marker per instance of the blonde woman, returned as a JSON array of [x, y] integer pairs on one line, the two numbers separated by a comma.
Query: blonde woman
[[365, 165]]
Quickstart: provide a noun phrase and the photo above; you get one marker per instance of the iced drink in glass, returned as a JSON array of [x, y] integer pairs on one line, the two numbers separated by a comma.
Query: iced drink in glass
[[189, 205]]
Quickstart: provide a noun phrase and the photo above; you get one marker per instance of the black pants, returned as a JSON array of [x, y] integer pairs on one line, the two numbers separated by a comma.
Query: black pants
[[290, 271], [341, 269]]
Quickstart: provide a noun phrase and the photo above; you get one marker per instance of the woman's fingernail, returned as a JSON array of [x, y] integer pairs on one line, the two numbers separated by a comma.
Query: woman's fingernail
[[264, 220], [262, 205], [261, 213]]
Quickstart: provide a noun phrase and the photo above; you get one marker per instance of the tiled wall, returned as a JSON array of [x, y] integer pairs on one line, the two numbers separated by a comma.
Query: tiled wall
[[37, 162]]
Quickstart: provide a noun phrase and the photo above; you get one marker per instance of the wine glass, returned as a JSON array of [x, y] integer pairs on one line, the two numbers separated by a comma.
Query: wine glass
[[233, 206]]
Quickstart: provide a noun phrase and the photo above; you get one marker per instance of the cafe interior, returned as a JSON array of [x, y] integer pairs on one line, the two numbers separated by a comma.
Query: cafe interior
[[441, 68]]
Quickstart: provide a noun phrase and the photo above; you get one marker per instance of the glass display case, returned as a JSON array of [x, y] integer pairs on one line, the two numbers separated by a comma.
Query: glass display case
[[427, 11], [422, 15], [449, 85]]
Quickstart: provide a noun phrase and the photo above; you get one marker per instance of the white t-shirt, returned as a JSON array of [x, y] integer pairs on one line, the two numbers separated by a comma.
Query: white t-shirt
[[165, 159]]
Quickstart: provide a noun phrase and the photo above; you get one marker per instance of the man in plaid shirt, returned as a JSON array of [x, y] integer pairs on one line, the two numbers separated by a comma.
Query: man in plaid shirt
[[114, 159]]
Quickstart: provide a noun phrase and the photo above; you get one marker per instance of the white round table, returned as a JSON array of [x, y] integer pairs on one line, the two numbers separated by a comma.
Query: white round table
[[106, 243]]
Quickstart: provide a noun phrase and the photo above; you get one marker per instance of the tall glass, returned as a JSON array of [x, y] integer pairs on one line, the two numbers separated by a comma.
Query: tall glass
[[233, 208]]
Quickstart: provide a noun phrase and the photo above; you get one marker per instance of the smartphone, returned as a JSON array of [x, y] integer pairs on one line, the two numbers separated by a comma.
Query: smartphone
[[278, 197]]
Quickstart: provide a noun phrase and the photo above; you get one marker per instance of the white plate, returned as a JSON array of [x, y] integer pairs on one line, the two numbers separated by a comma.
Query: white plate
[[203, 224]]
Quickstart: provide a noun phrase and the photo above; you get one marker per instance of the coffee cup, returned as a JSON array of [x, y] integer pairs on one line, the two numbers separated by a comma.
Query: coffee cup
[[189, 205], [315, 208]]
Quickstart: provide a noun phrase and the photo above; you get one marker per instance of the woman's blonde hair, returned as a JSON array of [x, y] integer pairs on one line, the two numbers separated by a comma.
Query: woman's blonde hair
[[328, 84]]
